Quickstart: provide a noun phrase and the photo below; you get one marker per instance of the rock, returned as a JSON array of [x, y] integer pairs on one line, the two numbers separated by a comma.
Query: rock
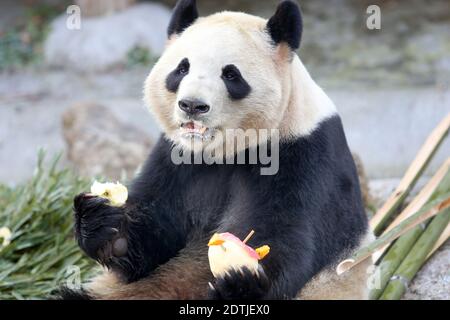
[[99, 144], [363, 181], [381, 190], [105, 42], [213, 6], [103, 7]]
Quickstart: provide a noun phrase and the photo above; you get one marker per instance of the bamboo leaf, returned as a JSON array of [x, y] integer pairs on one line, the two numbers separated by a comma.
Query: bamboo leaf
[[40, 215]]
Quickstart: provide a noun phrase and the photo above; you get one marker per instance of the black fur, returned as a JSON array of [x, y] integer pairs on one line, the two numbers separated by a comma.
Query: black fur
[[309, 213], [236, 85], [286, 25], [96, 225], [240, 285], [174, 78], [65, 293], [184, 14]]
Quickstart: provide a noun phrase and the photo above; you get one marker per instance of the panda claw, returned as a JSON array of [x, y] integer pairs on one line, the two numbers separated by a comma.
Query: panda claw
[[242, 284]]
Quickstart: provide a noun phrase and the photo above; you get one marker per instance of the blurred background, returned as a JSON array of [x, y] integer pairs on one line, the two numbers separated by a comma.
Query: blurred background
[[390, 85], [79, 91]]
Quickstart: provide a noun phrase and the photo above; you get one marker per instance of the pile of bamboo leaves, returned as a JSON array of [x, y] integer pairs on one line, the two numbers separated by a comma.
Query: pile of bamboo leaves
[[37, 221], [408, 237]]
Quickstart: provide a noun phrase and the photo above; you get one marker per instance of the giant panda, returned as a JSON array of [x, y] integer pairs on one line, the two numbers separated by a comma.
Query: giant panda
[[232, 70]]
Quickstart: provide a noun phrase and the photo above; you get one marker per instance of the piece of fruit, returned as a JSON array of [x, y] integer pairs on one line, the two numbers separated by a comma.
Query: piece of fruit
[[116, 193], [227, 252]]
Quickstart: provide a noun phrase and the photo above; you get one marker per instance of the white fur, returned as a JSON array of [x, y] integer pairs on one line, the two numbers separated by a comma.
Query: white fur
[[308, 105]]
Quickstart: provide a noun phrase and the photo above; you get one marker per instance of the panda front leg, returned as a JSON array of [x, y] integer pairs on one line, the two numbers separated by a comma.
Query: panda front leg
[[131, 240], [280, 275], [97, 226], [241, 284]]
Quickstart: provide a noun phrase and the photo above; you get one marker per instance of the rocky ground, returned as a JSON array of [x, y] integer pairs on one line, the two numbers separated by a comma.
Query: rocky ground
[[391, 86]]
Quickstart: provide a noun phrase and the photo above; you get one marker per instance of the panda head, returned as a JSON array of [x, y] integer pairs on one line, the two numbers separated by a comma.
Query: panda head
[[229, 70]]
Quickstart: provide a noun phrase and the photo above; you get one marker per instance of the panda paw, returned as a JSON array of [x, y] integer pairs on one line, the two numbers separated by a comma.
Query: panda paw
[[98, 227], [240, 285]]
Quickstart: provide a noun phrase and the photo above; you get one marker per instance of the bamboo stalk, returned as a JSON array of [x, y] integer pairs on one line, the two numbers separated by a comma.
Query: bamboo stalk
[[443, 239], [425, 194], [416, 257], [393, 258], [380, 219], [430, 210], [439, 183]]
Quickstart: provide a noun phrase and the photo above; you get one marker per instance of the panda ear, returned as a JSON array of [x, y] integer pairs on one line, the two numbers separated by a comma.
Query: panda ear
[[184, 14], [286, 25]]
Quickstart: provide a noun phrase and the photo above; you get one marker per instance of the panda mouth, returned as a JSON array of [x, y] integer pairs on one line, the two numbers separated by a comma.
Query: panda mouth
[[192, 130]]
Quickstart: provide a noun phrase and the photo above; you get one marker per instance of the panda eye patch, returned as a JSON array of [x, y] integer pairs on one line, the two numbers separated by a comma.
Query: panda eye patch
[[230, 74], [236, 85], [183, 67], [174, 78]]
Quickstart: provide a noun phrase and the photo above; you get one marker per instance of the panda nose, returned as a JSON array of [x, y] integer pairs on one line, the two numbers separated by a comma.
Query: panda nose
[[193, 107]]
